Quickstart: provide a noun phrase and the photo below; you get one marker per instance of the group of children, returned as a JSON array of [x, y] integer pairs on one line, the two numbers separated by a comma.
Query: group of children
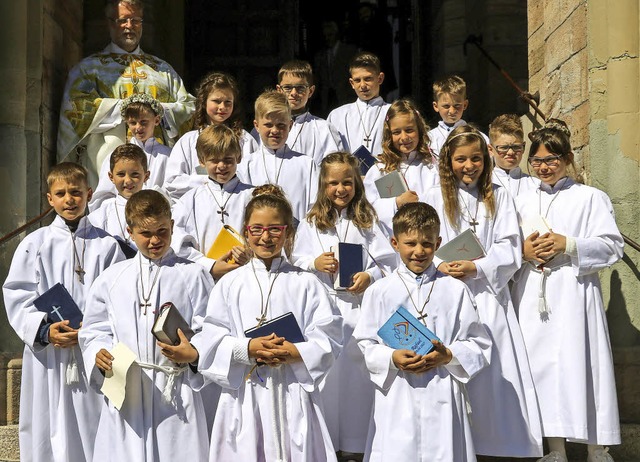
[[523, 350]]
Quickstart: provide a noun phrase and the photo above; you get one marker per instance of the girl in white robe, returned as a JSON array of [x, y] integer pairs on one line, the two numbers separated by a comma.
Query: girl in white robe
[[162, 417], [505, 409], [560, 303], [405, 148], [216, 101], [342, 213], [270, 408], [58, 418]]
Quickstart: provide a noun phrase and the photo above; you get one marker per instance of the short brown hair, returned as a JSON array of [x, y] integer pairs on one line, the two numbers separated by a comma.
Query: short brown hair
[[506, 124], [217, 141], [131, 152], [297, 68], [365, 60], [272, 102], [416, 216], [144, 205], [69, 172], [453, 85]]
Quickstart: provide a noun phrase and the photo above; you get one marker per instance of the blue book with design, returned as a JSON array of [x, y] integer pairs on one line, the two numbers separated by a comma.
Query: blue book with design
[[59, 306], [365, 159], [403, 331], [283, 326]]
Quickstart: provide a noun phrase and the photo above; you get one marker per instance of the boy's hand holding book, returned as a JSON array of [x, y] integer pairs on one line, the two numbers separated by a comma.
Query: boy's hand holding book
[[406, 198], [326, 263], [273, 350], [62, 335], [182, 353], [360, 282], [409, 361], [459, 268]]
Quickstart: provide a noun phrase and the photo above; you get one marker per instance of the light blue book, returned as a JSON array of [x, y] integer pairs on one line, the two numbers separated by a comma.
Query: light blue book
[[403, 331]]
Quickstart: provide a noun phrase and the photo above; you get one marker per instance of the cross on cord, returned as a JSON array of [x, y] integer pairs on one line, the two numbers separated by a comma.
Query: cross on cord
[[222, 212], [366, 141], [473, 223], [144, 306], [80, 272]]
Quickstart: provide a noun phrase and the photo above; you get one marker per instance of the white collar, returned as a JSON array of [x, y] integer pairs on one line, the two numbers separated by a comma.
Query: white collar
[[429, 272], [560, 184], [113, 48], [377, 101], [147, 146], [448, 128], [229, 186], [276, 264]]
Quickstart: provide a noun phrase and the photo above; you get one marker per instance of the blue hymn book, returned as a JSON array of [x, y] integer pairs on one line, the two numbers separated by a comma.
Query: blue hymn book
[[403, 331], [283, 326], [365, 159], [59, 306], [350, 262]]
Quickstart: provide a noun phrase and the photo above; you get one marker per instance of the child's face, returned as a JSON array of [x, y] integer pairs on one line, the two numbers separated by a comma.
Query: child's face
[[366, 83], [152, 236], [298, 91], [219, 105], [507, 151], [142, 127], [416, 248], [404, 134], [340, 185], [450, 107], [128, 176], [266, 244], [69, 199], [222, 168], [273, 130], [552, 170], [467, 163]]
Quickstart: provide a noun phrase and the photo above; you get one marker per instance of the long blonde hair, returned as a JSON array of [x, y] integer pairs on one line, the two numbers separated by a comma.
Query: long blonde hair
[[359, 210], [464, 136]]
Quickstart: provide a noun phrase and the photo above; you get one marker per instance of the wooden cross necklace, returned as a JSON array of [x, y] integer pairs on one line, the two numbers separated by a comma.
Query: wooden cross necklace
[[367, 136], [422, 315], [78, 262], [222, 208], [145, 299], [264, 306], [473, 222]]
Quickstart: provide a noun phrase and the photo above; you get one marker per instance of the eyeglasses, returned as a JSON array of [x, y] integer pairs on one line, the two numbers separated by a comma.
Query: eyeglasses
[[516, 148], [273, 231], [298, 88], [123, 21], [551, 161]]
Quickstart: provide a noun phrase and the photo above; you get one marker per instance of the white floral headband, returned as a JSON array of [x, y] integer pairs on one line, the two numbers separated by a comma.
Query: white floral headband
[[142, 98]]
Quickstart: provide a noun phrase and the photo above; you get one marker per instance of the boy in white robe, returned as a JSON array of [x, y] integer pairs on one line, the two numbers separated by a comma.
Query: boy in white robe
[[58, 412], [142, 114], [162, 418], [127, 172], [506, 149], [275, 162], [360, 123], [310, 135], [202, 212], [420, 411], [449, 101]]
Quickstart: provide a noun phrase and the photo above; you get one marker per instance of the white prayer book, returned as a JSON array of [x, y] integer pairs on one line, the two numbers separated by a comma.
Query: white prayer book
[[464, 246], [535, 223], [391, 185]]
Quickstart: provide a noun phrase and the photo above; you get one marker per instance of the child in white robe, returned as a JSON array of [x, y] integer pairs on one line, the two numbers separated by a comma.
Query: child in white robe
[[505, 409], [309, 134], [217, 102], [202, 212], [360, 123], [275, 162], [270, 408], [506, 149], [405, 148], [559, 300], [162, 417], [143, 114], [58, 412], [342, 213], [420, 411], [128, 173], [449, 101]]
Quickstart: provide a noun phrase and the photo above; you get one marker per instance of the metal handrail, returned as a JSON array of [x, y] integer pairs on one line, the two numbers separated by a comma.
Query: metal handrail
[[28, 224]]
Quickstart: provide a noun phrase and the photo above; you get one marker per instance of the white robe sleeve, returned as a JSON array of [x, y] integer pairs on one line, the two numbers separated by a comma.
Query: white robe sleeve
[[185, 240], [303, 250]]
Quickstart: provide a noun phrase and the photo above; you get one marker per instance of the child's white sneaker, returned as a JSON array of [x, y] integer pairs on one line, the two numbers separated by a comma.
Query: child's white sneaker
[[600, 455], [553, 456]]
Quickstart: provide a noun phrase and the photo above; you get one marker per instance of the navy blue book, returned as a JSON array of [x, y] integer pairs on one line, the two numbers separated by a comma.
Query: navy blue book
[[283, 326], [403, 331], [365, 159], [59, 306], [350, 261]]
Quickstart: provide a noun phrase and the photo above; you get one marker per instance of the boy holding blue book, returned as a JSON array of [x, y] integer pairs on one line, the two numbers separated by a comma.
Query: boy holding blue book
[[420, 410]]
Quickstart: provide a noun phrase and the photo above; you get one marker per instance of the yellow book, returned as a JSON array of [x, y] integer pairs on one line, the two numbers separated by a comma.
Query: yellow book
[[227, 239]]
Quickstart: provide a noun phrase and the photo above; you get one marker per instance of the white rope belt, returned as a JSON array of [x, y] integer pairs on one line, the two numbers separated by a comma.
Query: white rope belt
[[170, 371]]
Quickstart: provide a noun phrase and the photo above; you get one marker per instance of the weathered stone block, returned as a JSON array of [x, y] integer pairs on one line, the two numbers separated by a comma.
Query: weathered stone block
[[14, 375]]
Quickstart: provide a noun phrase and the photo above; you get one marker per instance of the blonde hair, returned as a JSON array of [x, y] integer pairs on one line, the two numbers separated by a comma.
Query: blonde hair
[[416, 216], [390, 157], [296, 68], [216, 141], [68, 172], [464, 135], [359, 210], [271, 196], [452, 85], [272, 102], [144, 205], [506, 124]]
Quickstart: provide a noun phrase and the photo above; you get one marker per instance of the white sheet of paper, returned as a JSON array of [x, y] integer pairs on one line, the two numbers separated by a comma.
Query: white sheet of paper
[[533, 224], [115, 382]]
